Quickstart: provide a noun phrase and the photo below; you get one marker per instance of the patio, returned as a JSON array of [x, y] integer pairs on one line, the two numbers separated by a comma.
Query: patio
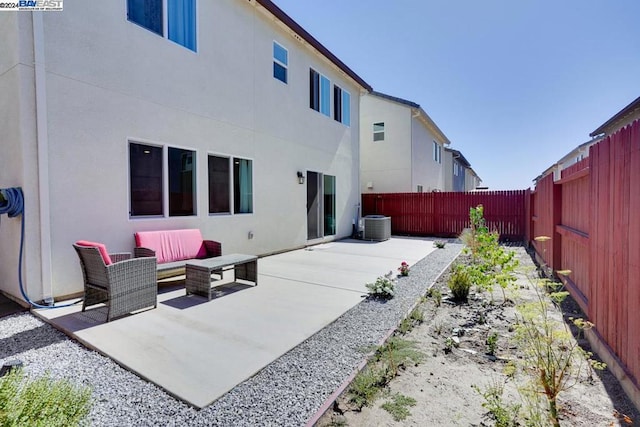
[[198, 350]]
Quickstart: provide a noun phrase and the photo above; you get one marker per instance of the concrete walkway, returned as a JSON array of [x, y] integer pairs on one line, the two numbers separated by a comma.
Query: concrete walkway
[[197, 350]]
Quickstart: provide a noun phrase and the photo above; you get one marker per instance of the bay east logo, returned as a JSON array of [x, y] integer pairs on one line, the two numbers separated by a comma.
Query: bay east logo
[[31, 5]]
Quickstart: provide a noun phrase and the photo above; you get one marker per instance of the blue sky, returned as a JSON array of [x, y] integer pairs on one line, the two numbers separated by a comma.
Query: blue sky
[[515, 85]]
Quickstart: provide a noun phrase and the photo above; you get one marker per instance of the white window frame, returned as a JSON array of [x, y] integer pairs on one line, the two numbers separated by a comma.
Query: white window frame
[[437, 152], [230, 158], [165, 178], [378, 132], [277, 61]]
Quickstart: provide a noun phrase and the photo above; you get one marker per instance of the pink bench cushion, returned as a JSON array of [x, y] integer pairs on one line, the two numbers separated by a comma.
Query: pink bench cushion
[[173, 245], [101, 247]]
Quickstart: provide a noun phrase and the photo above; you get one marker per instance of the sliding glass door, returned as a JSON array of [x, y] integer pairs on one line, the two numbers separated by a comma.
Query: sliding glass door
[[321, 205]]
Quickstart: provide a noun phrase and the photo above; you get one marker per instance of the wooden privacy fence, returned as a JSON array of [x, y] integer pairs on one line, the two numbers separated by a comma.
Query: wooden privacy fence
[[592, 215], [447, 214]]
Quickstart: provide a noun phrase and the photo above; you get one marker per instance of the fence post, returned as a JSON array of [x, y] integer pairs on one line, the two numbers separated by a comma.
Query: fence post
[[556, 258]]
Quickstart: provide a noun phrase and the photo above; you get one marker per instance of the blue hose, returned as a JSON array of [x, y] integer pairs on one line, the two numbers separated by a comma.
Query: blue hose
[[13, 205]]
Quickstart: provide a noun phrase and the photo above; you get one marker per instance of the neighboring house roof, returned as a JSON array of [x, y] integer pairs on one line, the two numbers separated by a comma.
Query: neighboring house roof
[[628, 110], [418, 109], [568, 156], [458, 156], [295, 27]]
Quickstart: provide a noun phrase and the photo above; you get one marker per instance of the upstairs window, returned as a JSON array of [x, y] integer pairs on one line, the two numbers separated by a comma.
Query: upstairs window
[[456, 170], [378, 131], [319, 93], [179, 19], [341, 106], [280, 62], [437, 152]]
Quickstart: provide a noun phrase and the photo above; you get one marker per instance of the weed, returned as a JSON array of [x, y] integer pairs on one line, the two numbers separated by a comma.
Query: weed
[[397, 353], [552, 358], [439, 244], [366, 386], [450, 344], [399, 405], [417, 315], [436, 295], [405, 326], [42, 401], [437, 328], [492, 343], [503, 414], [460, 283], [381, 288]]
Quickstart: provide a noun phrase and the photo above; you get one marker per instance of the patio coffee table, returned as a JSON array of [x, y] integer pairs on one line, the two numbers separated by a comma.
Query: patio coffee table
[[198, 272]]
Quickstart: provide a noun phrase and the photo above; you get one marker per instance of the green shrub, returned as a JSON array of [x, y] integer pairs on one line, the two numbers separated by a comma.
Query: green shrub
[[439, 244], [460, 283], [398, 406], [365, 387], [42, 402], [381, 288]]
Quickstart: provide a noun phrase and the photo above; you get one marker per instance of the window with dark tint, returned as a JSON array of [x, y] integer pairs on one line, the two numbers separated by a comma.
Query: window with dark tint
[[145, 177], [146, 13], [314, 90], [181, 182], [337, 103], [219, 188], [242, 186]]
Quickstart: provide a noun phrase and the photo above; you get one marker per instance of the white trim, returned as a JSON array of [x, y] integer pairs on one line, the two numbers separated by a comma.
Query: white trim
[[277, 61], [42, 140]]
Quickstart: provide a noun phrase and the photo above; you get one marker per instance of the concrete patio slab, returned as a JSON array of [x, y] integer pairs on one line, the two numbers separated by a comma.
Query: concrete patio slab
[[198, 350]]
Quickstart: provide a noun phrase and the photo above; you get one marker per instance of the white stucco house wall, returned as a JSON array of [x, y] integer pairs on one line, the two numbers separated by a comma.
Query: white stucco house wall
[[571, 158], [401, 147], [125, 116]]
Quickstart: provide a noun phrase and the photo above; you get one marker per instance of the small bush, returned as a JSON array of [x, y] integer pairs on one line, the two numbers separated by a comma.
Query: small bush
[[460, 283], [404, 269], [439, 244], [366, 386], [42, 401], [382, 288], [492, 343], [398, 407]]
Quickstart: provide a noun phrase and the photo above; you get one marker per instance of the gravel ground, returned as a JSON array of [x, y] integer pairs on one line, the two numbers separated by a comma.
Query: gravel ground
[[288, 392]]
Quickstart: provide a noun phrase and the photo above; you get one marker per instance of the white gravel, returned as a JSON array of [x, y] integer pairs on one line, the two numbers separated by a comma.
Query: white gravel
[[288, 392]]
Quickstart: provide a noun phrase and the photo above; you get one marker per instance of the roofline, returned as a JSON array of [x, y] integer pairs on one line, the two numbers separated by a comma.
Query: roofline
[[396, 99], [457, 154], [420, 110], [620, 114], [297, 28]]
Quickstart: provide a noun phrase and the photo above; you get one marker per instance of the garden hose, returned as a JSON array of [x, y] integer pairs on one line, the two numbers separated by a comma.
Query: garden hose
[[12, 204]]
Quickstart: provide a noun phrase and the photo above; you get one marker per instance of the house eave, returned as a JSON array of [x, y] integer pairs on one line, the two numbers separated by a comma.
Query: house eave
[[304, 35]]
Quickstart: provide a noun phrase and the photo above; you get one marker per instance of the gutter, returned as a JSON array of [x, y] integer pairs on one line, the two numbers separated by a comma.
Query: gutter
[[42, 141]]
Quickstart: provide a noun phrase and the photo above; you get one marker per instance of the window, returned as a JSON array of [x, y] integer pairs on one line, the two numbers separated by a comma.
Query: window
[[456, 171], [181, 182], [341, 106], [222, 189], [378, 131], [180, 19], [280, 62], [219, 185], [242, 186], [437, 152], [420, 189], [146, 177], [319, 93]]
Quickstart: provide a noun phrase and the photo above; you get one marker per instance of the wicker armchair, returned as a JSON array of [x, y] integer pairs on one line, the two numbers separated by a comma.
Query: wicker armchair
[[126, 285]]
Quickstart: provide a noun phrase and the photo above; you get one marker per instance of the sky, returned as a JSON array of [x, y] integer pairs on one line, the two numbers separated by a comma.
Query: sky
[[513, 84]]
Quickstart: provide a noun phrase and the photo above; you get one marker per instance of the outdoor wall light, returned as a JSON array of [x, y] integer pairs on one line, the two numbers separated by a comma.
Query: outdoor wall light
[[300, 178]]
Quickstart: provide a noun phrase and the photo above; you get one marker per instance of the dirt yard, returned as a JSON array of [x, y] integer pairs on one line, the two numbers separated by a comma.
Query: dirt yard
[[453, 339]]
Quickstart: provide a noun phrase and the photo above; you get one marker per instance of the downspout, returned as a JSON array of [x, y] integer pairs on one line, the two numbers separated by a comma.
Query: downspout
[[42, 141], [414, 185]]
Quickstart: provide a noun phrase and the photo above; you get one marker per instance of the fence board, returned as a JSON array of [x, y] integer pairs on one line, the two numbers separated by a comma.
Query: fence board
[[447, 214]]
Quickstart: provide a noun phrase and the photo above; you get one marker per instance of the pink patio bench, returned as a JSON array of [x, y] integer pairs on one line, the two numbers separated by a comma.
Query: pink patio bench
[[174, 248]]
